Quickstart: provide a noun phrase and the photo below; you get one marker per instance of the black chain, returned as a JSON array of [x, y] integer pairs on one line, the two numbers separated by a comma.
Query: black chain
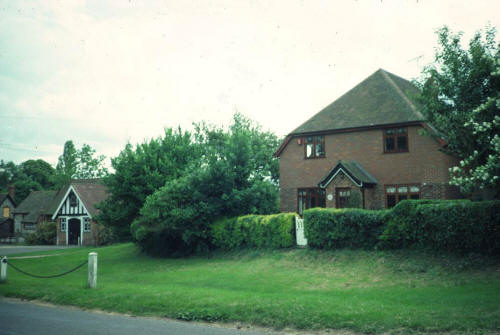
[[52, 276]]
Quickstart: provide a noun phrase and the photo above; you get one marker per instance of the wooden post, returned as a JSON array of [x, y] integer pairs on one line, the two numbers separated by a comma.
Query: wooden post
[[3, 269], [93, 269]]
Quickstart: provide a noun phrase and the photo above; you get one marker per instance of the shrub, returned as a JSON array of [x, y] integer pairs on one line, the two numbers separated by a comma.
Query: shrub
[[343, 228], [44, 235], [254, 231], [454, 226]]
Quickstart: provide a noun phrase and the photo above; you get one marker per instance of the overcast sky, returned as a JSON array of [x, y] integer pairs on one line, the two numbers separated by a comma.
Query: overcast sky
[[108, 72]]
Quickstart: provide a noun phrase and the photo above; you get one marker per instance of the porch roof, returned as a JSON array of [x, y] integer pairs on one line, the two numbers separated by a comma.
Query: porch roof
[[359, 176]]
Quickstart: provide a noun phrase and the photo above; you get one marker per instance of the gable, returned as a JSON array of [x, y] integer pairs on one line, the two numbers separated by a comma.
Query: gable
[[353, 170], [71, 205]]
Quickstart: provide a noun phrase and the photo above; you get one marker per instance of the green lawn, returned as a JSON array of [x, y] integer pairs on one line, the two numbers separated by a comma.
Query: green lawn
[[304, 289]]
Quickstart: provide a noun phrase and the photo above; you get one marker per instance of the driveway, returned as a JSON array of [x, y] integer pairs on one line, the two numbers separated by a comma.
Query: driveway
[[24, 318], [6, 249]]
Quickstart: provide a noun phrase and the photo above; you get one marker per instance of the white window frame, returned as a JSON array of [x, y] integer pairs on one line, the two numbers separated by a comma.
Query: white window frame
[[64, 225], [86, 225]]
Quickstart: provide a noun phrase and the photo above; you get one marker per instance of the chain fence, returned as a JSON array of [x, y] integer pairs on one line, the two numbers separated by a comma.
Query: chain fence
[[40, 276]]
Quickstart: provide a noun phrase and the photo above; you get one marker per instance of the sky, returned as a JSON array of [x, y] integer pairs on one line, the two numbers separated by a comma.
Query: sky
[[110, 72]]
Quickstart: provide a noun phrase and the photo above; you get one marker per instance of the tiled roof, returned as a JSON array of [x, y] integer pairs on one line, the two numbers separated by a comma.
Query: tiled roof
[[382, 98], [37, 202], [353, 169], [91, 192]]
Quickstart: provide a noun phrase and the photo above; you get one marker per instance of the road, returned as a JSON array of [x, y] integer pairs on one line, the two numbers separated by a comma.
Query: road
[[6, 249], [23, 318]]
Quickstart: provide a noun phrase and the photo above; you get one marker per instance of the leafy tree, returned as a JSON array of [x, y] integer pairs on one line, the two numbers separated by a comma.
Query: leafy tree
[[142, 170], [461, 99], [79, 164], [39, 171], [237, 175]]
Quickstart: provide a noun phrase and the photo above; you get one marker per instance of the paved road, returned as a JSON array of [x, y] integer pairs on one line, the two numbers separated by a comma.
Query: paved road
[[6, 249], [22, 318]]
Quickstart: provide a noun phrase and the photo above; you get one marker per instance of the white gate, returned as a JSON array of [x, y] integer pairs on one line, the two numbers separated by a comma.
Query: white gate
[[299, 232]]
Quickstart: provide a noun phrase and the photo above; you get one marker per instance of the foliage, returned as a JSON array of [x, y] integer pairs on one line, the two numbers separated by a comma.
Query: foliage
[[254, 231], [31, 175], [451, 226], [461, 99], [142, 170], [343, 228], [80, 163], [44, 235], [235, 175]]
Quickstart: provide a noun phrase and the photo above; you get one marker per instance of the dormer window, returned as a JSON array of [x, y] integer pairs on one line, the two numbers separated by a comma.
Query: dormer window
[[314, 146], [395, 140]]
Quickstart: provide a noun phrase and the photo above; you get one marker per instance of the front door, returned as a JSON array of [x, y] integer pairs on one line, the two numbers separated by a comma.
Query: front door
[[73, 231], [342, 199]]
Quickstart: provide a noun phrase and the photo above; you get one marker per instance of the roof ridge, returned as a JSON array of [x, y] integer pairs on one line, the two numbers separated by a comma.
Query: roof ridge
[[385, 74]]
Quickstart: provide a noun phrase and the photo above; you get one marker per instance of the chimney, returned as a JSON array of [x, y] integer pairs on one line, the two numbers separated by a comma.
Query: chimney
[[12, 191]]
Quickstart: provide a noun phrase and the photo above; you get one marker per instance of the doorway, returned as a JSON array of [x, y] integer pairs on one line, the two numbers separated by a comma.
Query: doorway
[[73, 231]]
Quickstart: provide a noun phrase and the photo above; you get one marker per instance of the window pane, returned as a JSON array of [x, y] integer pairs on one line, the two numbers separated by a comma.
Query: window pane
[[414, 189], [402, 145], [403, 197], [389, 131], [320, 150], [321, 199], [389, 144], [309, 139], [319, 139], [391, 201], [414, 196], [403, 189], [309, 150], [391, 189], [401, 130]]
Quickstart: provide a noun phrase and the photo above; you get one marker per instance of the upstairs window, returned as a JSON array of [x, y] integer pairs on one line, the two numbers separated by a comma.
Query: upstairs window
[[72, 199], [395, 140], [397, 193], [6, 212], [315, 146], [310, 198]]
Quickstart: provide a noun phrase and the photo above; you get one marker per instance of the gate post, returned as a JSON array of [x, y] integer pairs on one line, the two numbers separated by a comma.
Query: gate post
[[92, 270], [3, 269]]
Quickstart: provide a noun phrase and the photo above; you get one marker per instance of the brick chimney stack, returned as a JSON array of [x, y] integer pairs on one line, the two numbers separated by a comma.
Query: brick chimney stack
[[12, 191]]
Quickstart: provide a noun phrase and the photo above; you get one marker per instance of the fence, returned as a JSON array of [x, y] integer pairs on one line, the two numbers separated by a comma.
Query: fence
[[92, 270]]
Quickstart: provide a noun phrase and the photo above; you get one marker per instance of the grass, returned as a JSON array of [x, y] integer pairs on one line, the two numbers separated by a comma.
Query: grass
[[369, 292]]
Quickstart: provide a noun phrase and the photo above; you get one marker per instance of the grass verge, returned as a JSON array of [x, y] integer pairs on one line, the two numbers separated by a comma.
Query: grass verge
[[369, 292]]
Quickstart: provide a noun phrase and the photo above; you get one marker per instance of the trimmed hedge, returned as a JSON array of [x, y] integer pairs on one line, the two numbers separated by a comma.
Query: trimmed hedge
[[453, 226], [343, 228], [254, 231]]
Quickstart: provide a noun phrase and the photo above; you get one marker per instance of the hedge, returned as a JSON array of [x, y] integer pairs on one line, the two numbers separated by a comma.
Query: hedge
[[453, 226], [254, 231], [343, 228]]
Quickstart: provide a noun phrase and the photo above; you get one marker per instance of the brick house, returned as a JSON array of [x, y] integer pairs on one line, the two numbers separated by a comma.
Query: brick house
[[73, 208], [366, 149]]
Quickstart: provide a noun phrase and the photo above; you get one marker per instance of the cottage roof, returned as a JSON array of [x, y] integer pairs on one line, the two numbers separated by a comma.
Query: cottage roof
[[353, 170], [90, 191], [37, 203], [4, 196], [382, 98]]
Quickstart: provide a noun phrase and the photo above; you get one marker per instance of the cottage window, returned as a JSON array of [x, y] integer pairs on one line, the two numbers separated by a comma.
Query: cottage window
[[29, 226], [314, 146], [86, 224], [396, 140], [310, 198], [6, 212], [64, 225], [397, 193], [72, 199]]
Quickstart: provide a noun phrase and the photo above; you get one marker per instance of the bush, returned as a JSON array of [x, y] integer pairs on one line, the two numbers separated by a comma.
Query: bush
[[254, 231], [44, 235], [343, 228], [453, 226]]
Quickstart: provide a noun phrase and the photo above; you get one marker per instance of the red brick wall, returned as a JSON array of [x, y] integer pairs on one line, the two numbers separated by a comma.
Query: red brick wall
[[423, 164]]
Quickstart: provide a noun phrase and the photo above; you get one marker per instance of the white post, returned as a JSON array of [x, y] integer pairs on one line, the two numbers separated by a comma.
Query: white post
[[93, 269], [3, 269]]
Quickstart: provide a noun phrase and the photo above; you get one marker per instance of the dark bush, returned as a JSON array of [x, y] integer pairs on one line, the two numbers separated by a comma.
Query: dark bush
[[453, 226], [44, 235], [343, 228], [254, 231]]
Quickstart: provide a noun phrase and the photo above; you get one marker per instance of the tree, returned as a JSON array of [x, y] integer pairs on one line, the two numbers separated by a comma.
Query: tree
[[79, 164], [461, 99], [39, 171], [237, 175], [140, 172]]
